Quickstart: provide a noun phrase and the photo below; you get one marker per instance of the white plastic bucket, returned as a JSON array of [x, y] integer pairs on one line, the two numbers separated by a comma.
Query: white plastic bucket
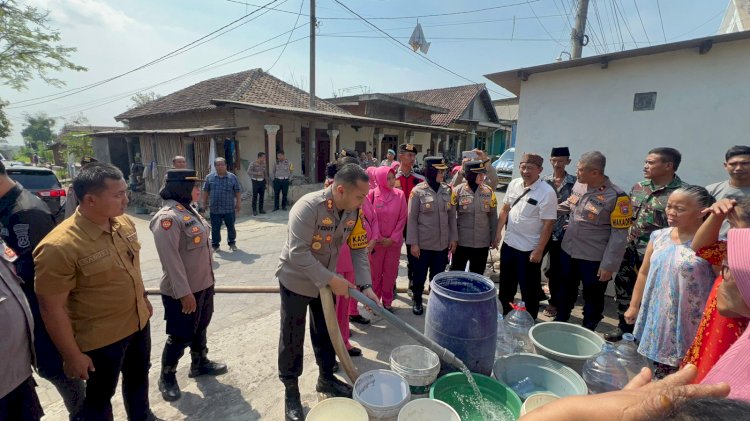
[[535, 401], [570, 344], [548, 376], [382, 392], [428, 410], [337, 409], [418, 365]]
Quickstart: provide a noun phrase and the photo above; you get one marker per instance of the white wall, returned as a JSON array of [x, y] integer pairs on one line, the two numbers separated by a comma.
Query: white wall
[[701, 109]]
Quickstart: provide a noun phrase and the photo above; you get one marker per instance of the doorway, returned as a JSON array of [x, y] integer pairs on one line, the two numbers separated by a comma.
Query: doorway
[[323, 151], [389, 142]]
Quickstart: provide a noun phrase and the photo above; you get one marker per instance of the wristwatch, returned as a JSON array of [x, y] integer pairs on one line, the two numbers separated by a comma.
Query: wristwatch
[[362, 288]]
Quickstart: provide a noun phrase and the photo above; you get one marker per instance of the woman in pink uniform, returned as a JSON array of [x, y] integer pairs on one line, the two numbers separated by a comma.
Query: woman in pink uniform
[[345, 269], [390, 208]]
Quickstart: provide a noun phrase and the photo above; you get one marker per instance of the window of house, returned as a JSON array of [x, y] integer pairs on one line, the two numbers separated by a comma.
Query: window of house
[[644, 101]]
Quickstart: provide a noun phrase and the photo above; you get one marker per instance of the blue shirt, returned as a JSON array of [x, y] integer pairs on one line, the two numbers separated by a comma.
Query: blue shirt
[[221, 192]]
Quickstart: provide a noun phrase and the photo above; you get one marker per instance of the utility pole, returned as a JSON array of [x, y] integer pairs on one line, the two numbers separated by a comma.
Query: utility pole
[[312, 54], [578, 34]]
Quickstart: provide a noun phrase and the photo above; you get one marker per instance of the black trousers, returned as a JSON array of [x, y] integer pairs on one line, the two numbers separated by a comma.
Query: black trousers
[[434, 261], [280, 187], [476, 257], [129, 356], [48, 359], [216, 220], [185, 330], [573, 272], [259, 193], [516, 270], [21, 403], [294, 308], [625, 282], [553, 249]]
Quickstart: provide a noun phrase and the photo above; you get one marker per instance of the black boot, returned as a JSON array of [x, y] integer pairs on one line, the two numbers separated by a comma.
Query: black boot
[[292, 404], [201, 365], [330, 385], [168, 386]]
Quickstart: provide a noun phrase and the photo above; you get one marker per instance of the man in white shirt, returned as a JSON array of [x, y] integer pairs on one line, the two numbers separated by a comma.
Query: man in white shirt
[[530, 210], [737, 164]]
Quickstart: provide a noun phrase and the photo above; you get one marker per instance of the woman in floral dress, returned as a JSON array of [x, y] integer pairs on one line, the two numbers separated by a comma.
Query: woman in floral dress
[[673, 284]]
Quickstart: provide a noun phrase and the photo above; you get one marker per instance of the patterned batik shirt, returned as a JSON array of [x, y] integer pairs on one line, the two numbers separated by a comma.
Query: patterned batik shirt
[[562, 194]]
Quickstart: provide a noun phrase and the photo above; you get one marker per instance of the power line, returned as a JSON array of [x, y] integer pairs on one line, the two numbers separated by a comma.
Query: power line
[[301, 3], [661, 21], [625, 22], [184, 48], [123, 95], [601, 26], [544, 27], [635, 3], [617, 25], [445, 38], [406, 46], [463, 12]]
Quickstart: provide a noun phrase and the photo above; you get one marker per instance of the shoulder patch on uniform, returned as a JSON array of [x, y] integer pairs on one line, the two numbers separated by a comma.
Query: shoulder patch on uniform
[[622, 216], [166, 224], [493, 200], [454, 198]]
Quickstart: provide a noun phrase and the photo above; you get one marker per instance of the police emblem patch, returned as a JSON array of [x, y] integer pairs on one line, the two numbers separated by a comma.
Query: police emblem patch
[[197, 239], [329, 238], [195, 230], [327, 221], [186, 218], [166, 224], [329, 204], [180, 207], [316, 245], [317, 237]]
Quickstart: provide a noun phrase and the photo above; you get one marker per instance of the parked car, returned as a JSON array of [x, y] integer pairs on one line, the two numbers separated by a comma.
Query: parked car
[[44, 183], [504, 166]]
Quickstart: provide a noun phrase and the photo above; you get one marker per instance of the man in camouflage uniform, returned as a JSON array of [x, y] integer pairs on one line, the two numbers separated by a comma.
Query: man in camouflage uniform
[[649, 201]]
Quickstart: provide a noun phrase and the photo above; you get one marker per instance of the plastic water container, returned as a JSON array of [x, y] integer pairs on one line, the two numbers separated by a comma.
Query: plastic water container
[[462, 317], [504, 341], [517, 324], [537, 400], [603, 372], [427, 410], [627, 353], [567, 343], [337, 409], [382, 392], [546, 375], [418, 365]]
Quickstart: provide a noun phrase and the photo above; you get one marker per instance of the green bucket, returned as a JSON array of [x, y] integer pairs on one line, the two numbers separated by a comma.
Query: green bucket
[[454, 389]]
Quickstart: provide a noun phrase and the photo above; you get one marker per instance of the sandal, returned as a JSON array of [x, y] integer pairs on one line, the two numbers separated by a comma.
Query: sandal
[[550, 311]]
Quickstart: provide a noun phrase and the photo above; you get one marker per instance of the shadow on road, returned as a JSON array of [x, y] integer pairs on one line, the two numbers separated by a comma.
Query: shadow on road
[[219, 402]]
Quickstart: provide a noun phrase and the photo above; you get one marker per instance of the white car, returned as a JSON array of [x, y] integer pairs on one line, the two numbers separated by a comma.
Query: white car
[[504, 166]]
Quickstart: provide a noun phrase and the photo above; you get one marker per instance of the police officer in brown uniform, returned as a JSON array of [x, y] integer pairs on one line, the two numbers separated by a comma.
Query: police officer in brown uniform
[[319, 223], [282, 175], [431, 227], [594, 243], [477, 219], [181, 236]]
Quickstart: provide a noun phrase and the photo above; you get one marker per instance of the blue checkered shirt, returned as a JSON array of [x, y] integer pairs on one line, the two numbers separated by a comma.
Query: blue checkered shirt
[[221, 192]]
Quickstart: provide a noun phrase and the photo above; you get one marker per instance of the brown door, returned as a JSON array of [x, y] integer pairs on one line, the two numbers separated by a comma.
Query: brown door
[[389, 142], [323, 151]]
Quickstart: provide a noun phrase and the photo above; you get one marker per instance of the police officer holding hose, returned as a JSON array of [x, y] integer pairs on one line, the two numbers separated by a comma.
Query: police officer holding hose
[[319, 223]]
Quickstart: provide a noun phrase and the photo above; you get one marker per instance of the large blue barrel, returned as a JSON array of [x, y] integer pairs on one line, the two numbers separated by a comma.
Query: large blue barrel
[[462, 317]]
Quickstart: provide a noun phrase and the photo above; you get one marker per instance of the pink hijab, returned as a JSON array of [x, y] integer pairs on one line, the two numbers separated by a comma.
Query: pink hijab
[[734, 366], [371, 174]]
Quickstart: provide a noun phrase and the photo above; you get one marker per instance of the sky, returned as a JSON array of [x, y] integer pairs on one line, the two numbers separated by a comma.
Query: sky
[[469, 38]]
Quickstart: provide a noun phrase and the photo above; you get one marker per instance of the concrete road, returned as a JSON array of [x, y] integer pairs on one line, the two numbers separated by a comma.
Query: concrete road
[[244, 334]]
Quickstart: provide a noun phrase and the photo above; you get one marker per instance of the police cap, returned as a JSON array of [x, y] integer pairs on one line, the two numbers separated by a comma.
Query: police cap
[[436, 162], [476, 166], [182, 175]]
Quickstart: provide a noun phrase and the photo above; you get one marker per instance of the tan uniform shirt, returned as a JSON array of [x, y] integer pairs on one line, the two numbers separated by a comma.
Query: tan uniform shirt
[[182, 241], [16, 345], [431, 220], [477, 215], [316, 232], [283, 169], [101, 271], [599, 223], [257, 171]]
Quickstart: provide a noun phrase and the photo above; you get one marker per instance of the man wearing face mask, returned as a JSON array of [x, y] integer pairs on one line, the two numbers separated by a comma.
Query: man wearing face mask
[[431, 229], [477, 219]]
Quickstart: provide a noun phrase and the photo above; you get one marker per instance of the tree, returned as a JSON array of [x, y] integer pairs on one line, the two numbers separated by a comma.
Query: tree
[[37, 132], [77, 142], [29, 48], [143, 98], [4, 123]]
